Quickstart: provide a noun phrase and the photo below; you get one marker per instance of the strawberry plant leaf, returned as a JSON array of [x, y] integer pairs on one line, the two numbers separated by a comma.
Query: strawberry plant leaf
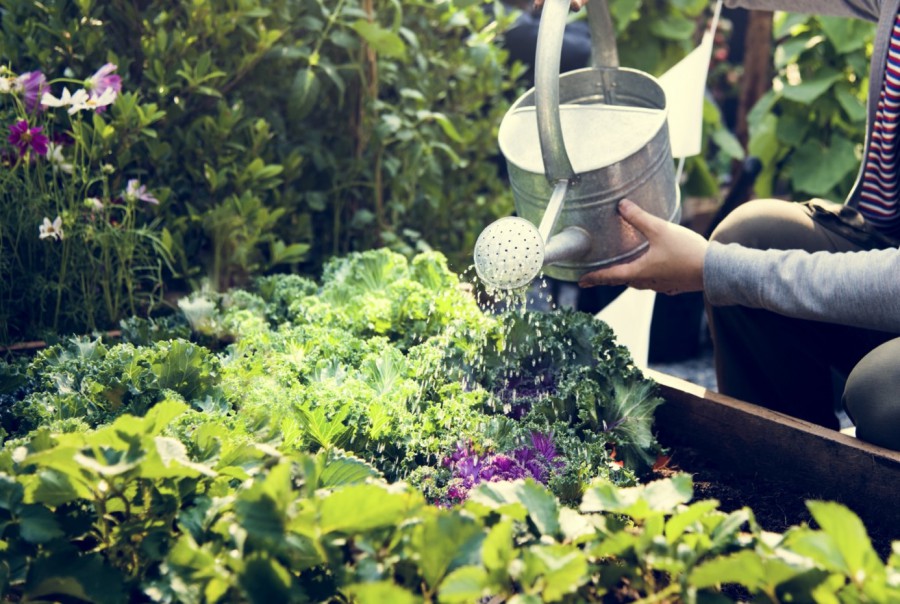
[[363, 507], [67, 575], [55, 488], [342, 468], [562, 570], [465, 584], [497, 550], [441, 540], [744, 568], [379, 592], [535, 500], [37, 524], [265, 581]]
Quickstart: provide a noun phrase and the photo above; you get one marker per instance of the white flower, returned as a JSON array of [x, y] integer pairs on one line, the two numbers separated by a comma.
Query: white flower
[[55, 155], [82, 100], [6, 84], [52, 229], [94, 204], [48, 100]]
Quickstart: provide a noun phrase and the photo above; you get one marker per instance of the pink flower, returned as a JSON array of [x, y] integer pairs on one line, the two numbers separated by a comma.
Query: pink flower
[[104, 79], [32, 84], [23, 138], [135, 191]]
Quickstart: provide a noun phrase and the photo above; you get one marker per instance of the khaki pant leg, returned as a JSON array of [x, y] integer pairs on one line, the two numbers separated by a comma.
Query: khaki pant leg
[[872, 396]]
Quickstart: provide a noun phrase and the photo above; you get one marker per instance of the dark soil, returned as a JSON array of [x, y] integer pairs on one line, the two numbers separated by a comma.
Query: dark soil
[[777, 505]]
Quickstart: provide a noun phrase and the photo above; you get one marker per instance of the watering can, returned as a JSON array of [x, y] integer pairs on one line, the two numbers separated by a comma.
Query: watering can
[[575, 145]]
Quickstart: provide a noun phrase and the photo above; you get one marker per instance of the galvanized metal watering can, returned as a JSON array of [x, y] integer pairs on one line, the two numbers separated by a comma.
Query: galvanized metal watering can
[[575, 145]]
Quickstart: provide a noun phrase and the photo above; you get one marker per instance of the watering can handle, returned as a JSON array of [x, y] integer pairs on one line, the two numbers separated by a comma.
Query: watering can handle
[[557, 165]]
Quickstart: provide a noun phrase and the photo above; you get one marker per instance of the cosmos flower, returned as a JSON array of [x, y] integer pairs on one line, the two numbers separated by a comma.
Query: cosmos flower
[[57, 160], [135, 191], [32, 85], [81, 101], [64, 100], [104, 84], [24, 138], [52, 230], [104, 79]]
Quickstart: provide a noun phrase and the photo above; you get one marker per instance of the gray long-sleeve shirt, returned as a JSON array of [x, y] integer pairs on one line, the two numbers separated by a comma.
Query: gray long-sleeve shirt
[[854, 288]]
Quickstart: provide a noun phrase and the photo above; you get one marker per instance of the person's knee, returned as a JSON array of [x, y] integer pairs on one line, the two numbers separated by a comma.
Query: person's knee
[[872, 396], [762, 224]]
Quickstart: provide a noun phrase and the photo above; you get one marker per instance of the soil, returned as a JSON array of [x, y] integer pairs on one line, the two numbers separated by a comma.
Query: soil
[[776, 504]]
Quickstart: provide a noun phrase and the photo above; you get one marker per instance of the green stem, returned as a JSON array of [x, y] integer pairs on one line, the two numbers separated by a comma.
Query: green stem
[[61, 283]]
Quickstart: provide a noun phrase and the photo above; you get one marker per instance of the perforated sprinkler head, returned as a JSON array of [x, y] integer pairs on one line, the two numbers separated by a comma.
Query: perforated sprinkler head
[[509, 253]]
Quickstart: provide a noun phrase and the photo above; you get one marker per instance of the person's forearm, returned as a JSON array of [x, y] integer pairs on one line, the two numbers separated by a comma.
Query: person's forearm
[[861, 289]]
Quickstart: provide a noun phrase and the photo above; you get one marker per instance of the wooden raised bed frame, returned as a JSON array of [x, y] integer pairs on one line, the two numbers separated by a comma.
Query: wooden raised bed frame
[[753, 440]]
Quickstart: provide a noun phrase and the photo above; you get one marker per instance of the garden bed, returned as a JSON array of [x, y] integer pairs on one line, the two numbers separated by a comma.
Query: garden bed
[[746, 455]]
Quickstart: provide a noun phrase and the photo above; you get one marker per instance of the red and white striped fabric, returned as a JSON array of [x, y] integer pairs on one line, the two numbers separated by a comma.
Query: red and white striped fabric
[[879, 201]]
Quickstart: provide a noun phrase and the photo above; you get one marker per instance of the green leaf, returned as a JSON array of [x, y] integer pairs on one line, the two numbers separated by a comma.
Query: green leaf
[[381, 592], [260, 515], [744, 568], [186, 368], [288, 254], [446, 125], [497, 550], [341, 469], [673, 27], [809, 90], [363, 507], [847, 35], [850, 539], [37, 524], [4, 576], [55, 488], [323, 430], [563, 568], [540, 504], [793, 129], [816, 170], [465, 584], [86, 578], [382, 41], [728, 143], [724, 533], [265, 581], [854, 106], [11, 493], [169, 459], [442, 538], [680, 521], [660, 496]]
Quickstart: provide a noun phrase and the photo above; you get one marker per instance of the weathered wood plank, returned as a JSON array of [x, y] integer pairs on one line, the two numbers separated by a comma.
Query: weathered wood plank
[[752, 440]]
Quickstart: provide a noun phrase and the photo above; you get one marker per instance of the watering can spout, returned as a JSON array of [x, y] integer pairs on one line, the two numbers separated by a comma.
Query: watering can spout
[[569, 245]]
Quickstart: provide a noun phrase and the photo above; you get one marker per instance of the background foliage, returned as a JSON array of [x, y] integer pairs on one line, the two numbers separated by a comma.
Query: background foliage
[[809, 129]]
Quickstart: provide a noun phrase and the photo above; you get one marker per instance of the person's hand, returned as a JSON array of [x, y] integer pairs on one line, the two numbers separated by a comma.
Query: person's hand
[[574, 4], [672, 263]]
